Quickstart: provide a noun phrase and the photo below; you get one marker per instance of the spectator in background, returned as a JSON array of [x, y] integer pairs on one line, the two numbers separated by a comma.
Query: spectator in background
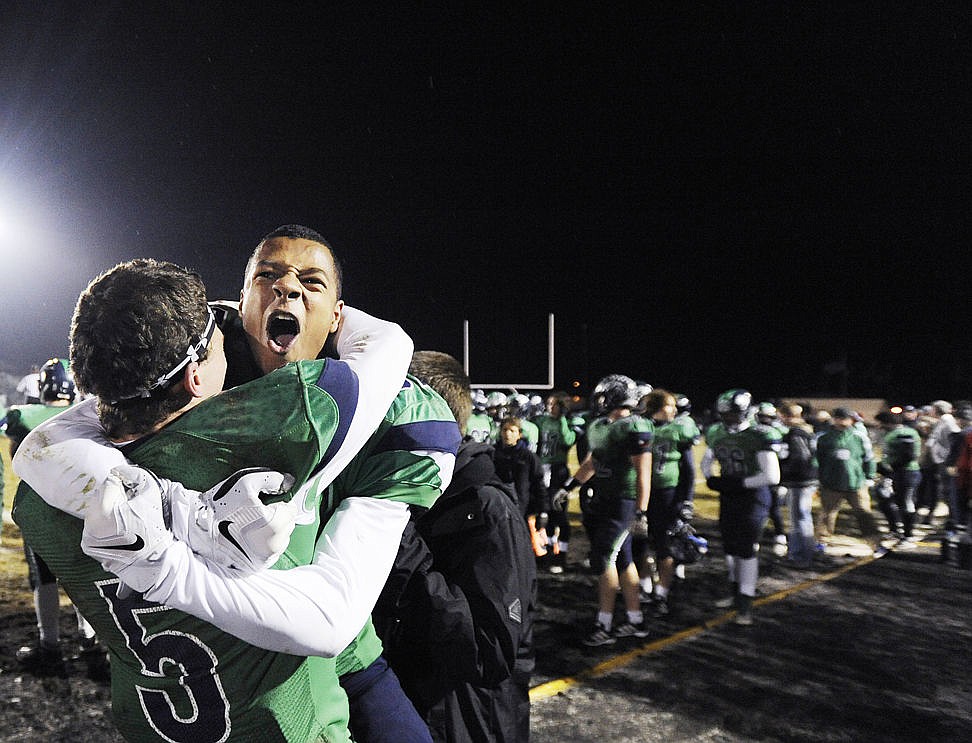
[[29, 386], [798, 477], [934, 475], [456, 616], [899, 461], [517, 465], [846, 465], [959, 456]]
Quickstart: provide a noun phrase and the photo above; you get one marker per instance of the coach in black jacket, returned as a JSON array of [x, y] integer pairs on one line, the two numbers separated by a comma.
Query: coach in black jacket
[[456, 616]]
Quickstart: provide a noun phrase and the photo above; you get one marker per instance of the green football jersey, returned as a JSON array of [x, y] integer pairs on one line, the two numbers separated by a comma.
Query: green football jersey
[[397, 463], [478, 427], [612, 444], [901, 448], [556, 438], [668, 447], [736, 450], [175, 677]]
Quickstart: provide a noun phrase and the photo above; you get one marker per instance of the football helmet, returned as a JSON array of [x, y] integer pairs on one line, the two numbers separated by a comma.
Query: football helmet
[[496, 405], [56, 382], [734, 406], [614, 391], [685, 544], [478, 400], [682, 404], [517, 405], [766, 412]]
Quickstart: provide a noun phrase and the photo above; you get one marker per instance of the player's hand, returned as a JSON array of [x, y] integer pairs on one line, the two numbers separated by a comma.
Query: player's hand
[[559, 499], [128, 528], [639, 524], [241, 522], [686, 511]]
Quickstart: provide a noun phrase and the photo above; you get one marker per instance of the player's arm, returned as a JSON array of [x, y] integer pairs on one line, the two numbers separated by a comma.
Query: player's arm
[[314, 609], [377, 353], [642, 464], [768, 475], [67, 458]]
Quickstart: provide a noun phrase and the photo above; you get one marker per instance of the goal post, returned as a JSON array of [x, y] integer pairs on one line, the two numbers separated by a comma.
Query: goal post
[[548, 385]]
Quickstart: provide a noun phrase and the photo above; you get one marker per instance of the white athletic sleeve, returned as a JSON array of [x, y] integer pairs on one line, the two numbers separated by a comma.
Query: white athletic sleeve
[[769, 471], [67, 458], [379, 353], [315, 609]]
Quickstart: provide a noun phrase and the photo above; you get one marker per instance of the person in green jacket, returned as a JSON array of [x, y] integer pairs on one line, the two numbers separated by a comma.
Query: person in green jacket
[[899, 463], [847, 468]]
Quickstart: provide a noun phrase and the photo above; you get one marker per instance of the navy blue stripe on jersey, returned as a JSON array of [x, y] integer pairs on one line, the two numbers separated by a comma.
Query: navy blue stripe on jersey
[[421, 436], [341, 384], [639, 442]]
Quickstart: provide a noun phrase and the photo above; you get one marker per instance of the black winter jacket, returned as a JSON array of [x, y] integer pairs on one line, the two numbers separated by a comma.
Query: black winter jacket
[[456, 616]]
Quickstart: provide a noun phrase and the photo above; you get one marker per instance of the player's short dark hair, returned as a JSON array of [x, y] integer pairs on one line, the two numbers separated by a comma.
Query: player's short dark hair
[[131, 326], [300, 232], [445, 375]]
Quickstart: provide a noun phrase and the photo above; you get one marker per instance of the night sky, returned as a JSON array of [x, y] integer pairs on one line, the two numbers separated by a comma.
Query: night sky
[[705, 197]]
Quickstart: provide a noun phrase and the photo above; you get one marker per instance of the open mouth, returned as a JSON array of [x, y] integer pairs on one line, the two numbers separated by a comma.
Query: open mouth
[[282, 331]]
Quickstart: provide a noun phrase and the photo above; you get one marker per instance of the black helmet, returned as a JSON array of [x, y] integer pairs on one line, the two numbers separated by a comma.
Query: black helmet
[[614, 391], [56, 382]]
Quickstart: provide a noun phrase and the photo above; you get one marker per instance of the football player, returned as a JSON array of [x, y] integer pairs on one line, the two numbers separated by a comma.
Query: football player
[[746, 453], [307, 418], [618, 467]]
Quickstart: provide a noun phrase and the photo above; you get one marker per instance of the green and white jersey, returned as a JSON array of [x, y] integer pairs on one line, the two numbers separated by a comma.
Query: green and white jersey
[[612, 444], [690, 428], [178, 678], [410, 459], [901, 448], [736, 450], [668, 447], [530, 433], [556, 438], [478, 427]]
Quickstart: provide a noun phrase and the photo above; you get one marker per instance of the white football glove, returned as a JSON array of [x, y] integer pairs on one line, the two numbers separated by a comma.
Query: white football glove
[[559, 499], [129, 526], [232, 523]]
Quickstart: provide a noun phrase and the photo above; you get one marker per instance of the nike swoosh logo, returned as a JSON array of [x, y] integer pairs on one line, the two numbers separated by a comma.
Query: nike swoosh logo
[[133, 547], [223, 527]]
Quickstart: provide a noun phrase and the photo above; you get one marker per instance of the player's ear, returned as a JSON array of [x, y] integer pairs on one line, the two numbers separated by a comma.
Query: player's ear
[[191, 379], [336, 318]]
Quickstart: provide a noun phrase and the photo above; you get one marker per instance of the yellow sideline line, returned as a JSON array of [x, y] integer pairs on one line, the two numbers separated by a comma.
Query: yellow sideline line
[[556, 686]]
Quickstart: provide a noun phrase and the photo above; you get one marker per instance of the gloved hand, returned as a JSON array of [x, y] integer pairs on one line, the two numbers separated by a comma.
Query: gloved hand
[[241, 522], [686, 511], [128, 528], [639, 524], [558, 500]]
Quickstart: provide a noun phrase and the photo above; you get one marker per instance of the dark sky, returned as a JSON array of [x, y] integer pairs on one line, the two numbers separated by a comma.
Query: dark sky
[[704, 196]]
